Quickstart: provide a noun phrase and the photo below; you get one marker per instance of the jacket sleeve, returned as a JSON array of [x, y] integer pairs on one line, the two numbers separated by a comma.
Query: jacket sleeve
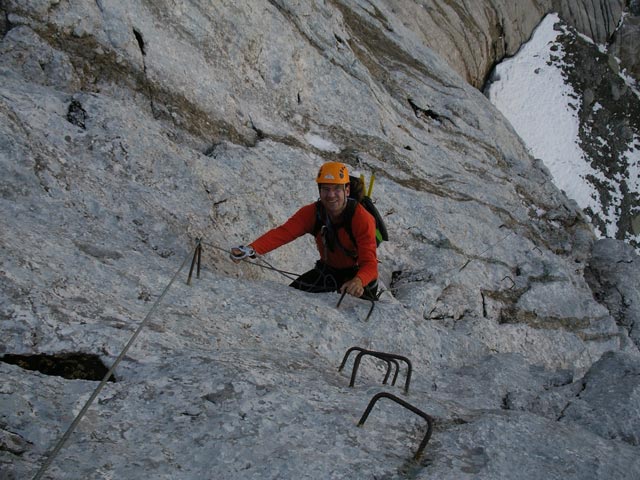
[[363, 226], [300, 223]]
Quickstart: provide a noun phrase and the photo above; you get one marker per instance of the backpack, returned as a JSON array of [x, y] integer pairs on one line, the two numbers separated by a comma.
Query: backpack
[[356, 195]]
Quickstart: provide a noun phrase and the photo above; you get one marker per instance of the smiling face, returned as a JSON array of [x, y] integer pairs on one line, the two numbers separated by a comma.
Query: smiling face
[[334, 198]]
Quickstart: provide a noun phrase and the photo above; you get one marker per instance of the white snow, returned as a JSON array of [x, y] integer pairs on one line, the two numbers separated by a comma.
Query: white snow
[[535, 99], [529, 89], [632, 157], [321, 143]]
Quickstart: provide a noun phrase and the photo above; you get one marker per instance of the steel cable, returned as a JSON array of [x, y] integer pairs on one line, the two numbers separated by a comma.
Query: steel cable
[[108, 375]]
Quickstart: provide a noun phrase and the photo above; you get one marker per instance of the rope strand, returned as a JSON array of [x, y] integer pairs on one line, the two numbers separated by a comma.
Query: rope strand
[[268, 266], [326, 279]]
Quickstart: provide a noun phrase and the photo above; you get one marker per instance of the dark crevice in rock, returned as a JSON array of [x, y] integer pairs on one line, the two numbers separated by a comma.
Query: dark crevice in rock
[[72, 366], [5, 24], [425, 114], [484, 305], [150, 93], [211, 151], [259, 133], [624, 261], [506, 402], [13, 442], [140, 41], [498, 51], [582, 389], [396, 276], [76, 114]]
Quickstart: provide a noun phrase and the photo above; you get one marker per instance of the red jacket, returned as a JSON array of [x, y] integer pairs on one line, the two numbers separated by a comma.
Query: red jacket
[[363, 227]]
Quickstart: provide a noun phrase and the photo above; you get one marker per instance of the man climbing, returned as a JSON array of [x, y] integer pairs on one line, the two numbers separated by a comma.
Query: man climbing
[[345, 234]]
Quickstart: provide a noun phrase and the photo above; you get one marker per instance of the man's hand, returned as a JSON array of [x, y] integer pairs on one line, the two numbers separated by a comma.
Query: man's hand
[[240, 252], [353, 287]]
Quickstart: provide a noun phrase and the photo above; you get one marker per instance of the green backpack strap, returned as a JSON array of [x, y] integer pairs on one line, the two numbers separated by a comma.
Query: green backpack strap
[[381, 229]]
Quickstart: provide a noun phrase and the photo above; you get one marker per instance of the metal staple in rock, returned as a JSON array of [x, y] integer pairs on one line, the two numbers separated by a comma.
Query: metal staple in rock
[[408, 406], [387, 357]]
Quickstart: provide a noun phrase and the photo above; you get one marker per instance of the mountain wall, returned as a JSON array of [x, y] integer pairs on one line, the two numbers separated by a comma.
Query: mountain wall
[[473, 36], [131, 128]]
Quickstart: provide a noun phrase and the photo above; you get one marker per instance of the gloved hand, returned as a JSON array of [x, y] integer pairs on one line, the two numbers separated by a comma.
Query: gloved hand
[[240, 252]]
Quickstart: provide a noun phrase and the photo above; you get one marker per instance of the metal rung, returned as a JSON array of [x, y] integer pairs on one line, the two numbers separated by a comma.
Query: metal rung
[[388, 357], [197, 254], [373, 305], [406, 405]]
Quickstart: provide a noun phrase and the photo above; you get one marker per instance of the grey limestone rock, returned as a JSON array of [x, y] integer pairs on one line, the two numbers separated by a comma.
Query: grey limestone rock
[[594, 18], [129, 129], [624, 44], [613, 276], [609, 402]]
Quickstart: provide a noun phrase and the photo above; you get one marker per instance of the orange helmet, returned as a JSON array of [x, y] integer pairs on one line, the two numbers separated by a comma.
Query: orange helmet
[[333, 172]]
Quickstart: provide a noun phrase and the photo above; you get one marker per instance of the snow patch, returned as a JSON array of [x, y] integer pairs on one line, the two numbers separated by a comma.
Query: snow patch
[[321, 143], [529, 91]]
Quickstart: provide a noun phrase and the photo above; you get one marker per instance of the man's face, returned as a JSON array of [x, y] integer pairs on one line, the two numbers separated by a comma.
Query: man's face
[[334, 198]]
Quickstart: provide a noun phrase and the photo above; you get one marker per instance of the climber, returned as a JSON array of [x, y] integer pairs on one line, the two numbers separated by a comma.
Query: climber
[[345, 234]]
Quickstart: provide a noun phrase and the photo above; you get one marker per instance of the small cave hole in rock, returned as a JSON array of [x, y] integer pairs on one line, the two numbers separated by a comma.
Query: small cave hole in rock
[[72, 366], [76, 114]]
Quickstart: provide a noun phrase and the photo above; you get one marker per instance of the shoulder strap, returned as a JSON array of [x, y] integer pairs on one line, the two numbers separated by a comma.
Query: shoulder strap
[[332, 232], [352, 204], [318, 224]]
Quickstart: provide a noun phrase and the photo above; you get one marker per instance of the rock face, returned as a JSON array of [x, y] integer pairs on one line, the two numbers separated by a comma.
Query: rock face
[[129, 129], [625, 44], [608, 132], [612, 276], [594, 18], [473, 36]]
